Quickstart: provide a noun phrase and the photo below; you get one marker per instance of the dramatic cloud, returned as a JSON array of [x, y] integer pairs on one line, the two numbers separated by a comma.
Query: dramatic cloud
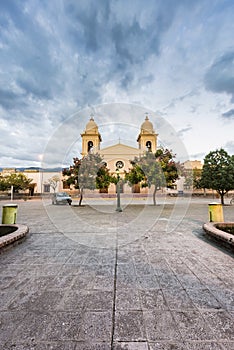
[[10, 99], [229, 114], [181, 132], [229, 146], [58, 57], [220, 76]]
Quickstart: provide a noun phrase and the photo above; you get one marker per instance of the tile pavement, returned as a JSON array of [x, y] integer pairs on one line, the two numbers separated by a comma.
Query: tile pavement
[[83, 288]]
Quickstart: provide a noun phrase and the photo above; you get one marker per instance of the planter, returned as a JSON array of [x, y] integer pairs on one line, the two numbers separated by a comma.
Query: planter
[[10, 234], [220, 231]]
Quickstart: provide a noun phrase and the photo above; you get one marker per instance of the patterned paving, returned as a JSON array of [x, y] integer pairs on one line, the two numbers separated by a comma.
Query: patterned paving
[[85, 287]]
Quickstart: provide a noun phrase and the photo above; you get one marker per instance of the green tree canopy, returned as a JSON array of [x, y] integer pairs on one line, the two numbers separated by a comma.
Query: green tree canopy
[[218, 172], [192, 178], [3, 185], [197, 173], [151, 169], [90, 172], [103, 178], [169, 166], [19, 181], [136, 174]]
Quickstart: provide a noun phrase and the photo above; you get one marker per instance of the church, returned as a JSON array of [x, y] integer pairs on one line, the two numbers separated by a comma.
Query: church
[[118, 156]]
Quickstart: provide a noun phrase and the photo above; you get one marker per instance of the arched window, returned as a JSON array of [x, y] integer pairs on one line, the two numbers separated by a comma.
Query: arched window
[[90, 145], [148, 145]]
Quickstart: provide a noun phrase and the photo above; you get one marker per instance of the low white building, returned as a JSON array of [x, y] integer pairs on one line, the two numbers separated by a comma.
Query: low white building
[[42, 181]]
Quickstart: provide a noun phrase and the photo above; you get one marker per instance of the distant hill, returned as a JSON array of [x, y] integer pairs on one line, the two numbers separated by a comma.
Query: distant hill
[[34, 169], [47, 170], [30, 168]]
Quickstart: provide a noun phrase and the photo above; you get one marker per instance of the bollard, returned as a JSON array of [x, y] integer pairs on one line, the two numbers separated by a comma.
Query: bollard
[[216, 212], [9, 213]]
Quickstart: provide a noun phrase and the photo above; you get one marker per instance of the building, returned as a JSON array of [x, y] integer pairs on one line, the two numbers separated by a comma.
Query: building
[[193, 164], [41, 180], [118, 156]]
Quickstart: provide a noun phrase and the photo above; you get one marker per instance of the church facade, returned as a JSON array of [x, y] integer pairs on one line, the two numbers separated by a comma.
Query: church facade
[[118, 156]]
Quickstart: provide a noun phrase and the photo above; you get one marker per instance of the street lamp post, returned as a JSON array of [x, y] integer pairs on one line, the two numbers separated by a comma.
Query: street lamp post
[[119, 209]]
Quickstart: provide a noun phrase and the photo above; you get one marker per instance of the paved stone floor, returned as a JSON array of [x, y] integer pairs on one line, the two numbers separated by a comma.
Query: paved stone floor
[[92, 278]]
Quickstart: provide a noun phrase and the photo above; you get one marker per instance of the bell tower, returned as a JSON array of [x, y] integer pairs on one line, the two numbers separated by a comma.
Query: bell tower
[[91, 138], [147, 139]]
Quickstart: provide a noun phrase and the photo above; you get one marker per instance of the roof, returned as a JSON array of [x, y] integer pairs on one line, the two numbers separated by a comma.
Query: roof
[[119, 149]]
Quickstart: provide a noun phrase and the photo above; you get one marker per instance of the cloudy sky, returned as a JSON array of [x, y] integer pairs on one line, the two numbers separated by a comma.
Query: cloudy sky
[[57, 58]]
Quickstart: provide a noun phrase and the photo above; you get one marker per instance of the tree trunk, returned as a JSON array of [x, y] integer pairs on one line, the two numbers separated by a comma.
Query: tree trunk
[[81, 196], [154, 195], [136, 188], [222, 199], [103, 190]]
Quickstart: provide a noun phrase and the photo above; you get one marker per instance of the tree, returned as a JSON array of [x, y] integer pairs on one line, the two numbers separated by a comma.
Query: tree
[[18, 180], [188, 176], [104, 179], [53, 181], [192, 177], [197, 173], [135, 175], [186, 173], [218, 172], [169, 166], [151, 169], [90, 172], [153, 173], [3, 185]]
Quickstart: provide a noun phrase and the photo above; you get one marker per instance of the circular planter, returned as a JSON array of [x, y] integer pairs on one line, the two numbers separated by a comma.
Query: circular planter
[[10, 234], [217, 231]]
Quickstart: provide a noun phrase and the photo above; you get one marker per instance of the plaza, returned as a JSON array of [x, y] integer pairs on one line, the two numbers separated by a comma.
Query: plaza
[[91, 278]]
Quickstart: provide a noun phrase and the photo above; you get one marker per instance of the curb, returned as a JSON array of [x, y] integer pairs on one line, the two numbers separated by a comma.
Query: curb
[[20, 232], [211, 230]]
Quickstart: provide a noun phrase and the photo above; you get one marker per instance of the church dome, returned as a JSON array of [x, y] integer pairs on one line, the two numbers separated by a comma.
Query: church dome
[[91, 126], [147, 126]]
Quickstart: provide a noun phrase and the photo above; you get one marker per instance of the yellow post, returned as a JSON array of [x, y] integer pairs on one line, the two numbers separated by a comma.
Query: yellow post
[[216, 212], [9, 213]]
